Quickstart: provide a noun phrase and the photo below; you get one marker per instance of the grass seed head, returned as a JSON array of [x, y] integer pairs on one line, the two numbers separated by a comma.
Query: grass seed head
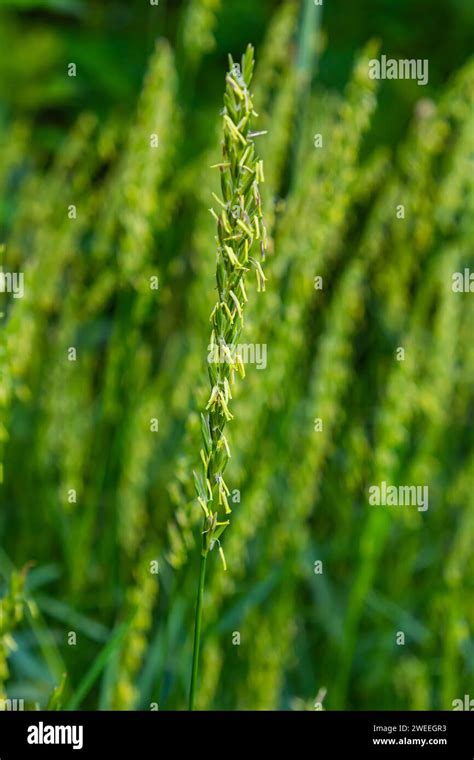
[[240, 223]]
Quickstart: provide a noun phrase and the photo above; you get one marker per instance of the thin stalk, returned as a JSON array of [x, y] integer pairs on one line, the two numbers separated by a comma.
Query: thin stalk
[[306, 64], [197, 631]]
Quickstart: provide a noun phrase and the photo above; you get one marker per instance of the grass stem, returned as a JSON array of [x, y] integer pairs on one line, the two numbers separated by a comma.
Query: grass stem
[[197, 631]]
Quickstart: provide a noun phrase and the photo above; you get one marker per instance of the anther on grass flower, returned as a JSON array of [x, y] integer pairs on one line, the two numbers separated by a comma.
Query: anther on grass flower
[[240, 223]]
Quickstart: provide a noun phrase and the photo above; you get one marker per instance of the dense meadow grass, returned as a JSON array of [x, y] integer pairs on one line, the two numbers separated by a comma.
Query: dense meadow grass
[[366, 378]]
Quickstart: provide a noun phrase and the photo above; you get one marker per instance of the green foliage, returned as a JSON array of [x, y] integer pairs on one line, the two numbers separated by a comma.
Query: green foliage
[[97, 454]]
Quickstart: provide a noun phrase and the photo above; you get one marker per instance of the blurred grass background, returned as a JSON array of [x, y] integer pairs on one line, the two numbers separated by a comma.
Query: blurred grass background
[[141, 356]]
